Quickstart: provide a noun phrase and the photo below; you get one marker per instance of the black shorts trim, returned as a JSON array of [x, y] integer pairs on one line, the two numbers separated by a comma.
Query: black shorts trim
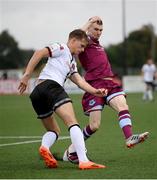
[[45, 115], [149, 83], [58, 104], [64, 101]]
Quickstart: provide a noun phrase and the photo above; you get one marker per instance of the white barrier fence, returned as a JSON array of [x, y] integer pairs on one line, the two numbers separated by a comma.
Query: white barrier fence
[[131, 84], [11, 87]]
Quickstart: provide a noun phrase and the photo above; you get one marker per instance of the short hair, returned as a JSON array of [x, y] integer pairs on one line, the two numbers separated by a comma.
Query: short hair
[[78, 34], [99, 22]]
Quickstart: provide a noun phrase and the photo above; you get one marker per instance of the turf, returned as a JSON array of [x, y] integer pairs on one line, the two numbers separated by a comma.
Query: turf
[[107, 146]]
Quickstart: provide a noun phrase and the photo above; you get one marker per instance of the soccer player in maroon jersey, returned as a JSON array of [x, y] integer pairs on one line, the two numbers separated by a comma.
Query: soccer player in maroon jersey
[[98, 73]]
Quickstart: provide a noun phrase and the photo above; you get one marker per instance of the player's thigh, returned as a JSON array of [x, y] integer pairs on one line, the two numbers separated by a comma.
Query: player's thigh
[[51, 124], [66, 113], [150, 86], [119, 103], [147, 86], [95, 119]]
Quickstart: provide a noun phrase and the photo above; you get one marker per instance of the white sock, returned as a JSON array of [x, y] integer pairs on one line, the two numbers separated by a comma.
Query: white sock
[[145, 95], [49, 139], [150, 94], [78, 143]]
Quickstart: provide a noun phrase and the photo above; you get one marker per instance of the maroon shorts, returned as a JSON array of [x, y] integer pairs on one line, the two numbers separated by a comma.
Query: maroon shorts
[[94, 103]]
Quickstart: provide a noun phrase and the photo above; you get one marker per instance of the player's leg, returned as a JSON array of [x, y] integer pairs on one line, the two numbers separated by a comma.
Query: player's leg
[[44, 110], [94, 124], [150, 91], [88, 131], [92, 106], [119, 104], [145, 93], [52, 133], [48, 139], [66, 113]]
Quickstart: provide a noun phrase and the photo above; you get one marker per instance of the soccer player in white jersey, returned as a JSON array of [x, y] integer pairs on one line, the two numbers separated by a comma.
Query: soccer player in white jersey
[[148, 71], [49, 96]]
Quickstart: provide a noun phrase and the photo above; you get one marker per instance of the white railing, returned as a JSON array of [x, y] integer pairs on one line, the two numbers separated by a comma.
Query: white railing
[[11, 87], [131, 84]]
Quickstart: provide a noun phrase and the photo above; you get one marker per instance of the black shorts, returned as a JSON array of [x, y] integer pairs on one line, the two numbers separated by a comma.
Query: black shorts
[[151, 84], [47, 96]]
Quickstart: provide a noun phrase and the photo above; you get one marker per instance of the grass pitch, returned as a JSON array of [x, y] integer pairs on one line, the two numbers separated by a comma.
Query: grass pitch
[[19, 157]]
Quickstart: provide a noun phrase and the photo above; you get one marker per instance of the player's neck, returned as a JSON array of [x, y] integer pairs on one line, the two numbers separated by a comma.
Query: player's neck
[[94, 39]]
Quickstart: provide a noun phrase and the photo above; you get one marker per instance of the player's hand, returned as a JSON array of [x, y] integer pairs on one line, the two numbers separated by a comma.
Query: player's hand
[[101, 92], [23, 83], [90, 22]]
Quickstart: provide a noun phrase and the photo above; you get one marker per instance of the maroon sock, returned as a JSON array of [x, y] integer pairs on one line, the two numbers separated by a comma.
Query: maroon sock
[[87, 132], [125, 123]]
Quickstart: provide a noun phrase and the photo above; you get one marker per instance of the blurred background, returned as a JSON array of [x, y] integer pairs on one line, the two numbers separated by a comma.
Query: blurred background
[[129, 36]]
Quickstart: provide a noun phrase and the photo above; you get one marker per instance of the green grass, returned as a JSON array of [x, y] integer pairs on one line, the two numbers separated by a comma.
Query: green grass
[[107, 146]]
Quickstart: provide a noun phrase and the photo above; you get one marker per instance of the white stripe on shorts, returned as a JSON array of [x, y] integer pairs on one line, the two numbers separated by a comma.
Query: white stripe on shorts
[[98, 107], [114, 95]]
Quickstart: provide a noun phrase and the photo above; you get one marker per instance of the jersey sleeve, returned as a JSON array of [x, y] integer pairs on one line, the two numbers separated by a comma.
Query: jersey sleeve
[[143, 68], [55, 49], [73, 68]]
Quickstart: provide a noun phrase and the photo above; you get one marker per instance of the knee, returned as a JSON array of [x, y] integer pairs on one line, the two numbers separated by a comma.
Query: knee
[[70, 120], [123, 107]]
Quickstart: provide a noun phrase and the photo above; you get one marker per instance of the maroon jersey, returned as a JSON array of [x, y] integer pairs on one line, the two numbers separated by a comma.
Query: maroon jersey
[[95, 61]]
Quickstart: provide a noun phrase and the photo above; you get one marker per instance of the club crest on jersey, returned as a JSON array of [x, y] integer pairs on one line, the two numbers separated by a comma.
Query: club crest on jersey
[[92, 102], [72, 68], [61, 47]]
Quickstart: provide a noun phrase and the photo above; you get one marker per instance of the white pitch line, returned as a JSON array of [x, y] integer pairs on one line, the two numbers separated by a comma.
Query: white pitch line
[[20, 137], [29, 142], [17, 143]]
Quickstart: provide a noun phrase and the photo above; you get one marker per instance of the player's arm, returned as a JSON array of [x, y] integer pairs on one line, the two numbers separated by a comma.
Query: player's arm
[[90, 22], [35, 59], [142, 71], [80, 82]]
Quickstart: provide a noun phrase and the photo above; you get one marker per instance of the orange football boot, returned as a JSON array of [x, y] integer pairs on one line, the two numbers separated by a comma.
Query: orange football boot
[[50, 161], [90, 165]]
